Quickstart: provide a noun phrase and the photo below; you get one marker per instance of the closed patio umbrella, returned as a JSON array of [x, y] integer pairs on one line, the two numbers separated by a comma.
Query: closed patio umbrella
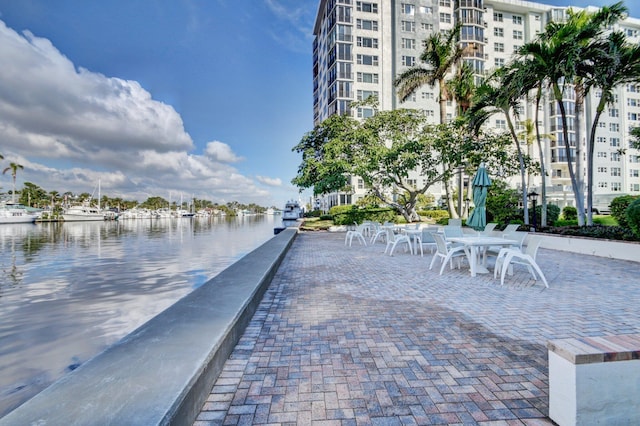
[[481, 182]]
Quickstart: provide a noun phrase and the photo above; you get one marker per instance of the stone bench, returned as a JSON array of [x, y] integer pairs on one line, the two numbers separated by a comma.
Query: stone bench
[[595, 380]]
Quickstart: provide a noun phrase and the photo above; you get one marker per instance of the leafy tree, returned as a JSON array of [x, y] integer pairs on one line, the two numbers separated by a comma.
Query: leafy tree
[[384, 149]]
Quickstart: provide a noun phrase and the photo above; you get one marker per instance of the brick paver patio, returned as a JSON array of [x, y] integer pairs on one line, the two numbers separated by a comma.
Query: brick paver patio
[[350, 336]]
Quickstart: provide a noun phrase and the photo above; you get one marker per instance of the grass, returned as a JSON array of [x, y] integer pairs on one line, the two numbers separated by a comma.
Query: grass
[[315, 224]]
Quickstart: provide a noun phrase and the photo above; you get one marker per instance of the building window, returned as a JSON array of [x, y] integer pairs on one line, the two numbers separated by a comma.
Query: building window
[[444, 3], [408, 43], [616, 186], [632, 102], [426, 10], [501, 124], [615, 171], [429, 113], [517, 35], [367, 42], [615, 156], [366, 94], [499, 62], [602, 184], [408, 9], [498, 32], [428, 95], [408, 26], [634, 173], [601, 139], [364, 24], [367, 59], [366, 7], [602, 124], [614, 112], [498, 47], [497, 17], [634, 158], [408, 61], [365, 77], [445, 17], [614, 127], [365, 112], [634, 187], [602, 170], [602, 154], [517, 20], [633, 116], [614, 141], [426, 27]]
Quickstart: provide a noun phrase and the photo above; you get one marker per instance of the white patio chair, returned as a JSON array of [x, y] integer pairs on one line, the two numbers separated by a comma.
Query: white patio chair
[[378, 232], [394, 239], [357, 233], [454, 222], [446, 254], [427, 240], [513, 256], [488, 229], [517, 236], [511, 228]]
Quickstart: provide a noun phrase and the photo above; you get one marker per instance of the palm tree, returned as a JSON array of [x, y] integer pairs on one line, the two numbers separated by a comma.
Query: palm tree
[[616, 62], [500, 94], [442, 52], [567, 51], [14, 171]]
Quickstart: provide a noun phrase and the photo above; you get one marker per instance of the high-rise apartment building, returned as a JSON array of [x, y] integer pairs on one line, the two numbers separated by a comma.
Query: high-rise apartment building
[[361, 46]]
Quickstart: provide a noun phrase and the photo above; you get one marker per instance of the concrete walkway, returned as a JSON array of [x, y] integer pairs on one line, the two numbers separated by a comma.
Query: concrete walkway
[[349, 336]]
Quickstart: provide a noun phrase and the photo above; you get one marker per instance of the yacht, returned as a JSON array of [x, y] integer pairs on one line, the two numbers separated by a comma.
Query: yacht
[[292, 211], [16, 213], [82, 213]]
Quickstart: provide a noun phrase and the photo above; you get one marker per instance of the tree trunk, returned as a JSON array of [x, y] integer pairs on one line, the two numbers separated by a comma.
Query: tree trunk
[[579, 90], [543, 171], [523, 177]]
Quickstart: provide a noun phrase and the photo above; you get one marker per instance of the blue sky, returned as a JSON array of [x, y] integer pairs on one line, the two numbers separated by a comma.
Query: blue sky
[[203, 98]]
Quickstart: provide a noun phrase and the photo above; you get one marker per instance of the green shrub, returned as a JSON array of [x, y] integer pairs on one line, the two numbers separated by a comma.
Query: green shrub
[[502, 204], [595, 231], [569, 213], [347, 215], [633, 217], [326, 217], [553, 213], [619, 209], [434, 214]]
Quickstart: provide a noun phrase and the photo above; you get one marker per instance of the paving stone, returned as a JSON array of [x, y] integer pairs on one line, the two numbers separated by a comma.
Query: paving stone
[[348, 335]]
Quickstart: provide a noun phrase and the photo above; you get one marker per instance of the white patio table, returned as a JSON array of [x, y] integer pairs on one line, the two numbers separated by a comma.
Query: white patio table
[[474, 243]]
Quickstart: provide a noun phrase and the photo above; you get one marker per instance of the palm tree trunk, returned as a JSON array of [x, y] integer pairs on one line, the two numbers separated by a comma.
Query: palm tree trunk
[[543, 171], [523, 177], [579, 90]]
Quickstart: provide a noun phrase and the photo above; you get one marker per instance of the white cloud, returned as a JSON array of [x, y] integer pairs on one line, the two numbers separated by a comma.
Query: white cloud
[[294, 25], [269, 181], [70, 127], [219, 151]]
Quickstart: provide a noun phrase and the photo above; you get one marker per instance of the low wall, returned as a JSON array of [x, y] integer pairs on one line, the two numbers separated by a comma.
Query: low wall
[[593, 246], [162, 373]]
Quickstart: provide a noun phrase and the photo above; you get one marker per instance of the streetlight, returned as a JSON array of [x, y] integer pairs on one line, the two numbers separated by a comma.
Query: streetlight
[[533, 195]]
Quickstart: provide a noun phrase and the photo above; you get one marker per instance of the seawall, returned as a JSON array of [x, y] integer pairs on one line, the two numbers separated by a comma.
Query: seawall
[[161, 373]]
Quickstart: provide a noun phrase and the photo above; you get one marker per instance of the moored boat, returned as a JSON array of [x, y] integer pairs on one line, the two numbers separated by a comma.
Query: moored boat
[[10, 213], [82, 213], [292, 211]]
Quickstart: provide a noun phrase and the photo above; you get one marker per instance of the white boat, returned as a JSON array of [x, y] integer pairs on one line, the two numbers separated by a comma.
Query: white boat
[[292, 211], [82, 213], [10, 213]]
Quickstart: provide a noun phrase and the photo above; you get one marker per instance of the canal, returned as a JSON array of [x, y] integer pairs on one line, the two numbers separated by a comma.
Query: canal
[[69, 290]]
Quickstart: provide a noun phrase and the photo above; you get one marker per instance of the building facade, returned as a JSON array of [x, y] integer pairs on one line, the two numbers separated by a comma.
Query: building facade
[[361, 46]]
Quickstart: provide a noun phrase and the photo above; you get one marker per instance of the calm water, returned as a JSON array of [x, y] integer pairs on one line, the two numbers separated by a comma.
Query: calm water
[[67, 291]]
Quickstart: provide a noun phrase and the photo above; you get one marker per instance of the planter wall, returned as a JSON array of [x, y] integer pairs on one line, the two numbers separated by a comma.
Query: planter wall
[[624, 250]]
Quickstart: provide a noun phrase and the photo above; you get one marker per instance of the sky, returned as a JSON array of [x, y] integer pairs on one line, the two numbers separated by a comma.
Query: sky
[[169, 98]]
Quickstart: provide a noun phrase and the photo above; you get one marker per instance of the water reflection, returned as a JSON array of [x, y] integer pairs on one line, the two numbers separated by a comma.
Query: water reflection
[[67, 291]]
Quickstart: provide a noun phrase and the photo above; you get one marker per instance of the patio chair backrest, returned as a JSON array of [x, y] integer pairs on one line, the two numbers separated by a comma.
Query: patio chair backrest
[[532, 247], [455, 222], [453, 231], [441, 244], [517, 236], [427, 236], [489, 227], [511, 228]]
